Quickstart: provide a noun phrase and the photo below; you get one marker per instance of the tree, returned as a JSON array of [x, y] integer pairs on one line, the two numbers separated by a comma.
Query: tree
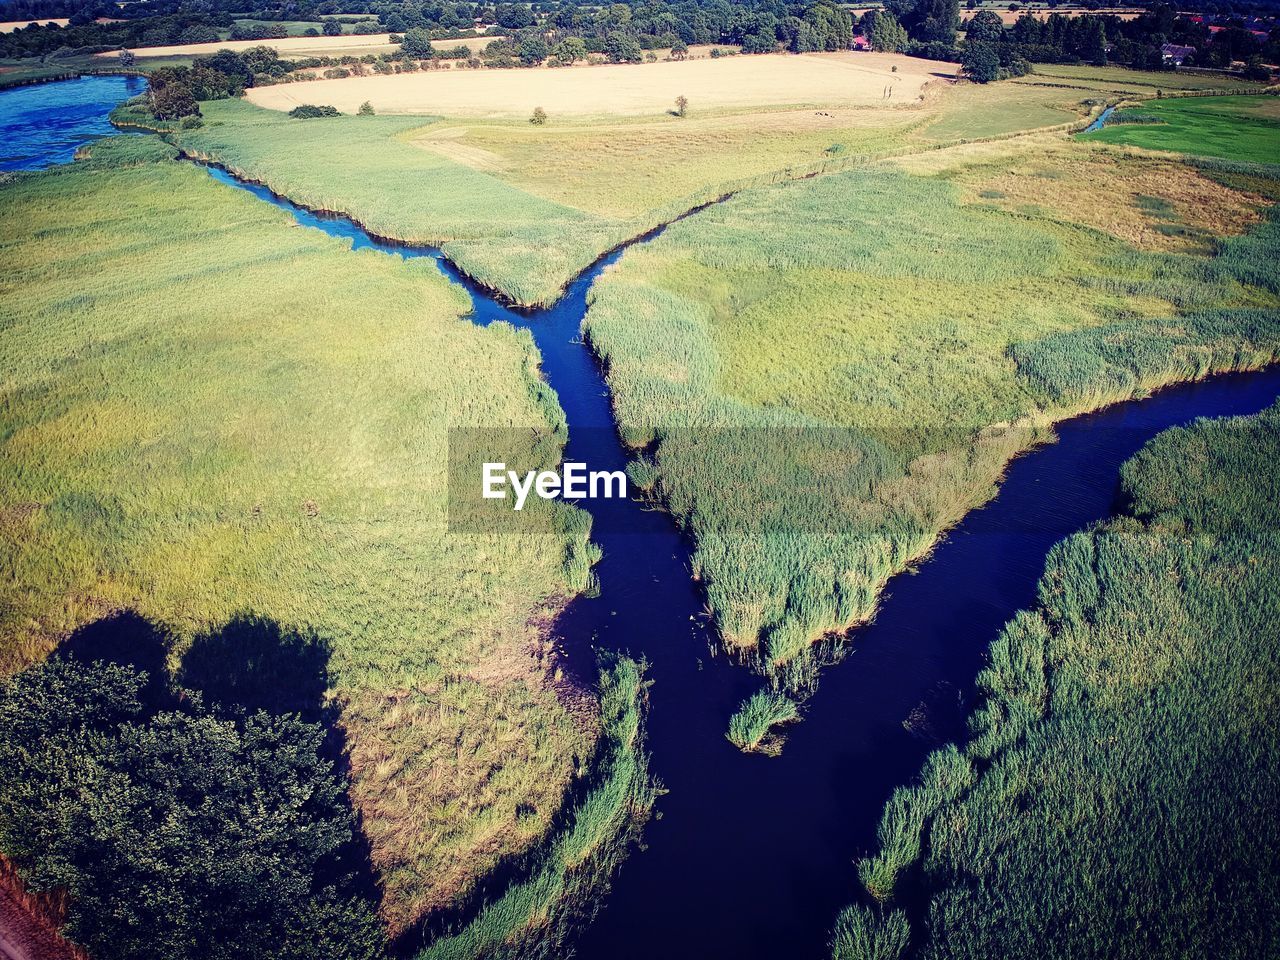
[[984, 27], [981, 62], [533, 50], [173, 101], [417, 44], [332, 28], [570, 50], [679, 50], [622, 48], [366, 109], [682, 105], [539, 117], [127, 59], [179, 832], [887, 35]]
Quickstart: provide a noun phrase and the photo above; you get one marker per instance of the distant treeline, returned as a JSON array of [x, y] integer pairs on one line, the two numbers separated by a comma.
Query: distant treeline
[[622, 32]]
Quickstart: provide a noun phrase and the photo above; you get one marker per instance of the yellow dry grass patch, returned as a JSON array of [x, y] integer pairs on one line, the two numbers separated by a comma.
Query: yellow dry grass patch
[[626, 167], [1115, 192], [834, 79]]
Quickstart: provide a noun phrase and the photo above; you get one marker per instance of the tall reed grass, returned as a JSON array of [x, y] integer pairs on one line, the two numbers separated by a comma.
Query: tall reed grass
[[825, 375]]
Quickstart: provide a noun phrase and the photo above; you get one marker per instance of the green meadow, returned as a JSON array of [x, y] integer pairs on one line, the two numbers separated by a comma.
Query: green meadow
[[523, 209], [209, 414], [1234, 128], [1117, 796], [826, 375]]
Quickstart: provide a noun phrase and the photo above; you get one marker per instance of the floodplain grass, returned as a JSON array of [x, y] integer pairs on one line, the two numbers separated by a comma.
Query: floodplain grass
[[524, 209], [870, 350], [1234, 128], [1115, 799], [207, 412]]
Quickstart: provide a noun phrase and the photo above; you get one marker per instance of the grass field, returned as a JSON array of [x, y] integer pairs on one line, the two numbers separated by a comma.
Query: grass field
[[836, 79], [1235, 128], [209, 413], [871, 348], [1116, 798], [524, 208]]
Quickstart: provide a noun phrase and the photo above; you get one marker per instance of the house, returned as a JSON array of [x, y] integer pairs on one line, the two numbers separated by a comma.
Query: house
[[1172, 53], [860, 43]]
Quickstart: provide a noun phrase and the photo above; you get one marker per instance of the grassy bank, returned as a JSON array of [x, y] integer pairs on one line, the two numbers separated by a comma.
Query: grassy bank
[[1116, 798], [563, 886], [835, 371], [208, 412]]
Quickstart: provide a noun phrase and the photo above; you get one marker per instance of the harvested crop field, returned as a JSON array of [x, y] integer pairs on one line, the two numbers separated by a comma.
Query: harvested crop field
[[296, 46], [731, 82]]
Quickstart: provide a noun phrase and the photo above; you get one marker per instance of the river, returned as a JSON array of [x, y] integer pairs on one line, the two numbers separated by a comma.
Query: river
[[752, 857], [45, 123]]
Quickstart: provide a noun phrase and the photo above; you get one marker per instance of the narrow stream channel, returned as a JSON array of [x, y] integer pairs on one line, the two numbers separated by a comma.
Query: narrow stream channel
[[751, 857]]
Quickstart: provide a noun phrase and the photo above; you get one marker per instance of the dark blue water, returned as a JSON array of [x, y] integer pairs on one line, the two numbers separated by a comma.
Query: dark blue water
[[753, 857], [44, 123]]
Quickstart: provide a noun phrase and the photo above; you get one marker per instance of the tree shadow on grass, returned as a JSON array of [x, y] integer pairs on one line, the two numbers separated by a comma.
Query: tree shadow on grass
[[248, 664]]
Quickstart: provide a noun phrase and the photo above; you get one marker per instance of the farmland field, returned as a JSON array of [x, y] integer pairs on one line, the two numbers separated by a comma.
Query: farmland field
[[1139, 692], [843, 79], [210, 415]]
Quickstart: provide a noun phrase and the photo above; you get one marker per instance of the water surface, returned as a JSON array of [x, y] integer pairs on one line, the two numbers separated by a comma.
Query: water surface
[[45, 123]]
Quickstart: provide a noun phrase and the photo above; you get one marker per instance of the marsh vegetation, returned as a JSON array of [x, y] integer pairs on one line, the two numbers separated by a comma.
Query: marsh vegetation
[[851, 379], [1114, 797]]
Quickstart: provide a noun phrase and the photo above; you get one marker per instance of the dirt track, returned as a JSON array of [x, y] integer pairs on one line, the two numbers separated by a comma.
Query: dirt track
[[23, 936]]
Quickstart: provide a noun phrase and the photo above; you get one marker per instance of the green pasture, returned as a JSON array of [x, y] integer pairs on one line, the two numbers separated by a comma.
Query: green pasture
[[1233, 128]]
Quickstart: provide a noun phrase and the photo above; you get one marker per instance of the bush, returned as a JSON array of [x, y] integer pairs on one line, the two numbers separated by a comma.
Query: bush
[[749, 728], [539, 117], [176, 830], [308, 111], [366, 109]]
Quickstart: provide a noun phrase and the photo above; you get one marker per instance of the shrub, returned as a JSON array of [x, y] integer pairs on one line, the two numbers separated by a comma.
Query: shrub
[[366, 109], [538, 117], [308, 111], [749, 728]]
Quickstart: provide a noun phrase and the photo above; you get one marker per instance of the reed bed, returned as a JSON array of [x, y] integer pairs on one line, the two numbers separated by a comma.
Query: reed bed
[[826, 375]]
